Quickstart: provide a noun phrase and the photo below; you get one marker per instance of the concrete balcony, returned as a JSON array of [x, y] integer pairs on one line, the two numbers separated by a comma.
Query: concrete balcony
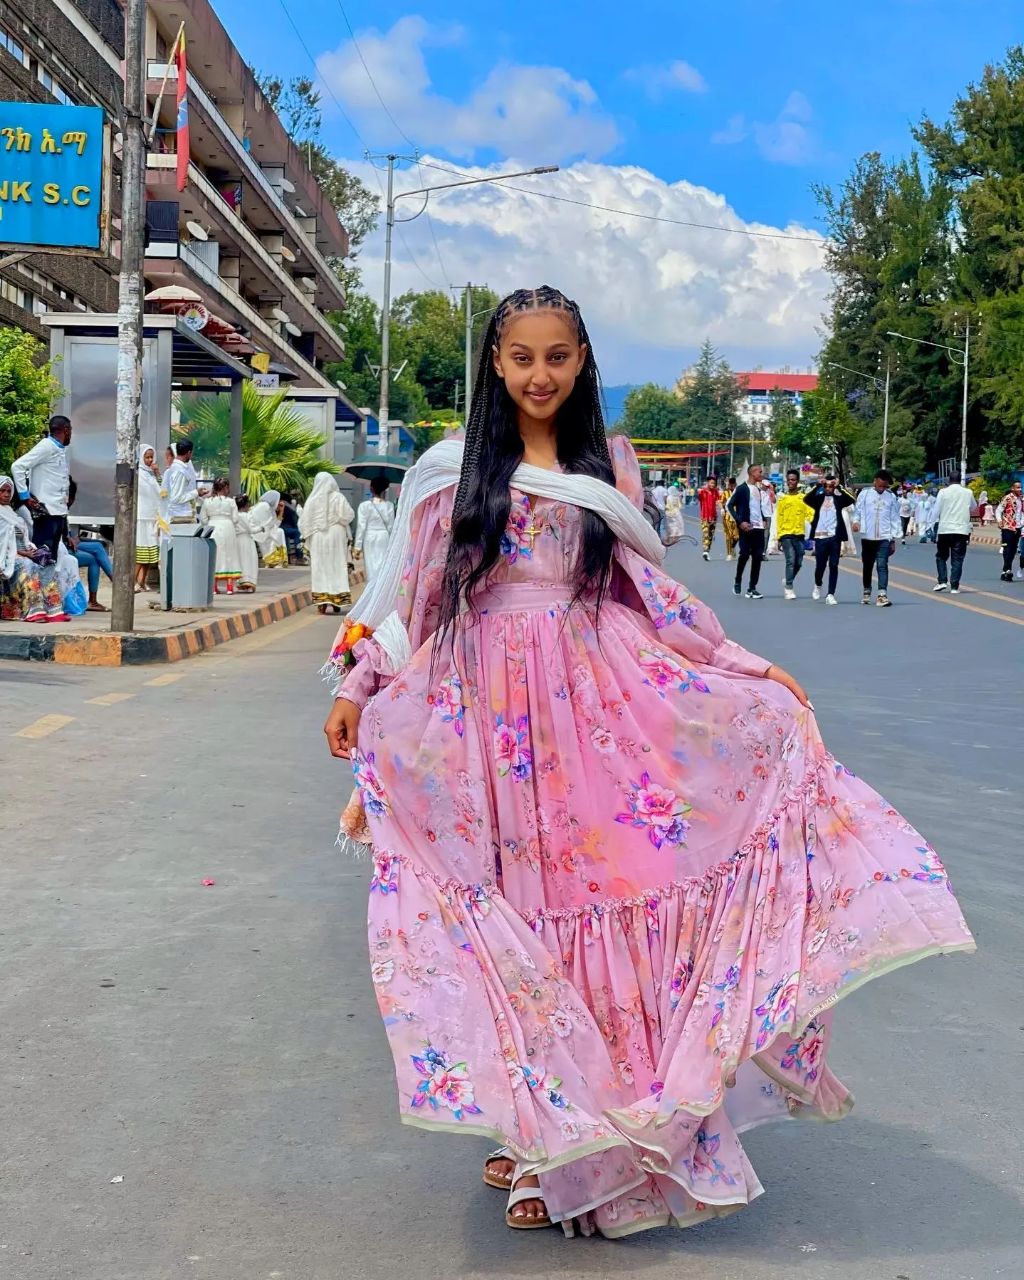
[[261, 271], [215, 141]]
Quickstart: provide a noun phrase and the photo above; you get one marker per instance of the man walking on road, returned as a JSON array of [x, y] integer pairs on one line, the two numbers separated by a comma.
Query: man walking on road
[[43, 483], [750, 508], [791, 517], [953, 511], [828, 530], [708, 497], [877, 517], [1010, 519]]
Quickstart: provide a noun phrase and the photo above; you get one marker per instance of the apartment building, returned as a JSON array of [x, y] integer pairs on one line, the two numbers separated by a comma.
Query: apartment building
[[251, 235], [249, 246], [758, 385]]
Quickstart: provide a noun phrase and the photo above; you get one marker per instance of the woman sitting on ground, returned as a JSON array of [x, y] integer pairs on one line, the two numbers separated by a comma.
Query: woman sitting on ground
[[28, 589]]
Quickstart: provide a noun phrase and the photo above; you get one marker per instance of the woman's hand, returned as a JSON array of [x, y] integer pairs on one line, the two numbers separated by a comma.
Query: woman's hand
[[786, 680], [342, 728]]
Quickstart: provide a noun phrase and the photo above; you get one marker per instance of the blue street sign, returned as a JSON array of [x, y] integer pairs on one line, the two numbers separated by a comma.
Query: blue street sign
[[52, 180]]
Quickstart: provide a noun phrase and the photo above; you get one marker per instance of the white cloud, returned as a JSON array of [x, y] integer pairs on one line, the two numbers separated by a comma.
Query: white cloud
[[650, 291], [788, 139], [539, 111], [675, 76]]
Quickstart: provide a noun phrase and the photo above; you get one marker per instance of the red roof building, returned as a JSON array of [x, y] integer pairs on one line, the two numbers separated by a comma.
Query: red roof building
[[758, 385]]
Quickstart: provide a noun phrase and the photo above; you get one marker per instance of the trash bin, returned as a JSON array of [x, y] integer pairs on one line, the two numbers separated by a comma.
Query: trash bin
[[187, 564]]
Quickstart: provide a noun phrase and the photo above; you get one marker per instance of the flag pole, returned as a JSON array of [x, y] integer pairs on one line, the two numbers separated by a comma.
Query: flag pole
[[163, 87]]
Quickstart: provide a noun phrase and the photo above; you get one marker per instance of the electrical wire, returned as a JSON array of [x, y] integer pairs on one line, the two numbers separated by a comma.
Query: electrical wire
[[632, 213]]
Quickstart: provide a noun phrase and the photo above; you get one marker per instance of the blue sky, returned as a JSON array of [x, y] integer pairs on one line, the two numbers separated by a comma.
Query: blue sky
[[734, 111]]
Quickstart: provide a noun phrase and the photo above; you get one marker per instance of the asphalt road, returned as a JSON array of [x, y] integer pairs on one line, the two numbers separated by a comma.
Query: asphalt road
[[195, 1082]]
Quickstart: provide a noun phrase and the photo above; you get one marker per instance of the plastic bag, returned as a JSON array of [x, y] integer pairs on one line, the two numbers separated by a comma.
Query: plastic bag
[[76, 601], [67, 570]]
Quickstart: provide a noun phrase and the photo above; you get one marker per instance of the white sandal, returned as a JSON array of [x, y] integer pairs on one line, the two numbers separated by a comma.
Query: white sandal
[[518, 1195], [492, 1180]]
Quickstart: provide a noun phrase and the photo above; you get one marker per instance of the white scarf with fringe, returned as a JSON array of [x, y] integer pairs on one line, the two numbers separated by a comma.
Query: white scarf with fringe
[[440, 467]]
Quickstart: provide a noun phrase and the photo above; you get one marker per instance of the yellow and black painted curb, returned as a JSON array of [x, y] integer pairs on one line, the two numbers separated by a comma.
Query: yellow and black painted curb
[[136, 648]]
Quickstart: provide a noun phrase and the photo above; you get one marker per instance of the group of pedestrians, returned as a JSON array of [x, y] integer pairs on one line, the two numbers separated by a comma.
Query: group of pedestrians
[[824, 518]]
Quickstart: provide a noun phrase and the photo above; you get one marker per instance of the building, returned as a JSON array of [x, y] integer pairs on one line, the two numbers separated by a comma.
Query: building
[[250, 246], [756, 406], [59, 51]]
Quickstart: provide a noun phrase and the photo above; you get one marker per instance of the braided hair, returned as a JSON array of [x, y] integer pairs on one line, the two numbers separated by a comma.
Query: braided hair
[[493, 450]]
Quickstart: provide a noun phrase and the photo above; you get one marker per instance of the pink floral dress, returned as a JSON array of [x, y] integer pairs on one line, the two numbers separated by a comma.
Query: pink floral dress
[[613, 867]]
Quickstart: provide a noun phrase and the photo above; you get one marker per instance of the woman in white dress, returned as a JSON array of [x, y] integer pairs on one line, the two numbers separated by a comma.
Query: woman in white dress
[[248, 555], [674, 528], [147, 514], [266, 529], [220, 513], [324, 525], [373, 527]]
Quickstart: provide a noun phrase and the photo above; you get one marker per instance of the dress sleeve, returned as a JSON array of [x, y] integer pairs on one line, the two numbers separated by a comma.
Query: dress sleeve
[[627, 470], [419, 597]]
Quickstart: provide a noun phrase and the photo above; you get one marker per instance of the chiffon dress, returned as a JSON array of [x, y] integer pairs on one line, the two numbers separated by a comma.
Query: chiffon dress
[[614, 867]]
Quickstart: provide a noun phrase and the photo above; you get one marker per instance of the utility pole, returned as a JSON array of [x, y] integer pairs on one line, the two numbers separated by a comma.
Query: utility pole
[[963, 423], [885, 414], [385, 333], [129, 317], [468, 375]]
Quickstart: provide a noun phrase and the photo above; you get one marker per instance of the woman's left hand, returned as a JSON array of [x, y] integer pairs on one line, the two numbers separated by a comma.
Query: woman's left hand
[[786, 680]]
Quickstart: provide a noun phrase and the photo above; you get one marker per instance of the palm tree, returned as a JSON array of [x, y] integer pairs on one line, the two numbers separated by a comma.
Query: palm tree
[[280, 450]]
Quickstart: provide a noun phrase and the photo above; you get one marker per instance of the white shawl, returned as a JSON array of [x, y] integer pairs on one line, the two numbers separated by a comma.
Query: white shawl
[[440, 467], [10, 522]]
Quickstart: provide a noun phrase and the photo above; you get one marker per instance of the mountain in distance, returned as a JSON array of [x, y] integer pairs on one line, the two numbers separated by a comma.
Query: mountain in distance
[[615, 402]]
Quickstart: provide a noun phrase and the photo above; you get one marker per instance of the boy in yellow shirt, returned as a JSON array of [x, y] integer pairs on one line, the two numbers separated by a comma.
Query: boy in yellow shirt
[[792, 515]]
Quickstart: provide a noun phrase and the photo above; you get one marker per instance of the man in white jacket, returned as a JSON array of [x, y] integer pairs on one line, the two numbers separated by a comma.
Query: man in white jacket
[[954, 508], [43, 482]]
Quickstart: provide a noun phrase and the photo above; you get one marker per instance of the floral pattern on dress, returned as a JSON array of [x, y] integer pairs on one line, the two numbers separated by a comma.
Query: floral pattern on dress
[[448, 701], [370, 786], [804, 1055], [777, 1008], [658, 810], [662, 673], [667, 600], [444, 1084], [517, 540], [510, 752]]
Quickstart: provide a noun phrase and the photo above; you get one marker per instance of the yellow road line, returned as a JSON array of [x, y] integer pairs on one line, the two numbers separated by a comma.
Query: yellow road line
[[43, 727], [971, 591], [109, 699], [169, 677], [939, 598]]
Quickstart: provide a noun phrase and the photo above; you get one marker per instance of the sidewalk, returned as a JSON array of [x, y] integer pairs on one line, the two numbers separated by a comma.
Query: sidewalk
[[158, 636]]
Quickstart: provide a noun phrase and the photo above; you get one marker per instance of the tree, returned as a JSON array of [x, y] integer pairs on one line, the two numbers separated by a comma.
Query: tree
[[652, 413], [999, 465], [360, 370], [280, 450], [710, 397], [28, 390], [823, 432]]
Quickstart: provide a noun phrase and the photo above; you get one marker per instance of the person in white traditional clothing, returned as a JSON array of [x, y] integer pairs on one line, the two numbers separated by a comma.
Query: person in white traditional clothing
[[674, 528], [324, 526], [221, 514], [182, 485], [148, 516], [266, 529], [376, 519], [248, 555]]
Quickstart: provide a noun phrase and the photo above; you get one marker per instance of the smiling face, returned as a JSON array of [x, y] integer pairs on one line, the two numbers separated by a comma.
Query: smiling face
[[539, 357]]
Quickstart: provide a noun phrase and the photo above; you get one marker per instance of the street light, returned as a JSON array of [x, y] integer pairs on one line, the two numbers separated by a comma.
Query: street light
[[392, 199], [964, 351], [870, 377]]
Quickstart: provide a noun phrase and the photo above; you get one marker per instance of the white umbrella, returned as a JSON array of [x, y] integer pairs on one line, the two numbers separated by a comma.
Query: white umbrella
[[172, 293]]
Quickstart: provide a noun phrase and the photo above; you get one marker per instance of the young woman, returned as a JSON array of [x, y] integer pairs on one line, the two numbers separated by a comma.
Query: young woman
[[220, 513], [375, 520], [615, 869], [267, 531], [324, 526], [674, 527], [147, 535]]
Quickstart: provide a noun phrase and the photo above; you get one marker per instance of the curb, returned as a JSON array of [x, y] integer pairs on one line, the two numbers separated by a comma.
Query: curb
[[135, 648]]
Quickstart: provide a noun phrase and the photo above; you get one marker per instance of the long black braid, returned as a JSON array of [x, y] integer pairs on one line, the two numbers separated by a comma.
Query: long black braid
[[493, 450]]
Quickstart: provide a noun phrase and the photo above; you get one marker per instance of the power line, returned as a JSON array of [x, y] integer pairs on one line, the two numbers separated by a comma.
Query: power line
[[645, 217], [334, 98]]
